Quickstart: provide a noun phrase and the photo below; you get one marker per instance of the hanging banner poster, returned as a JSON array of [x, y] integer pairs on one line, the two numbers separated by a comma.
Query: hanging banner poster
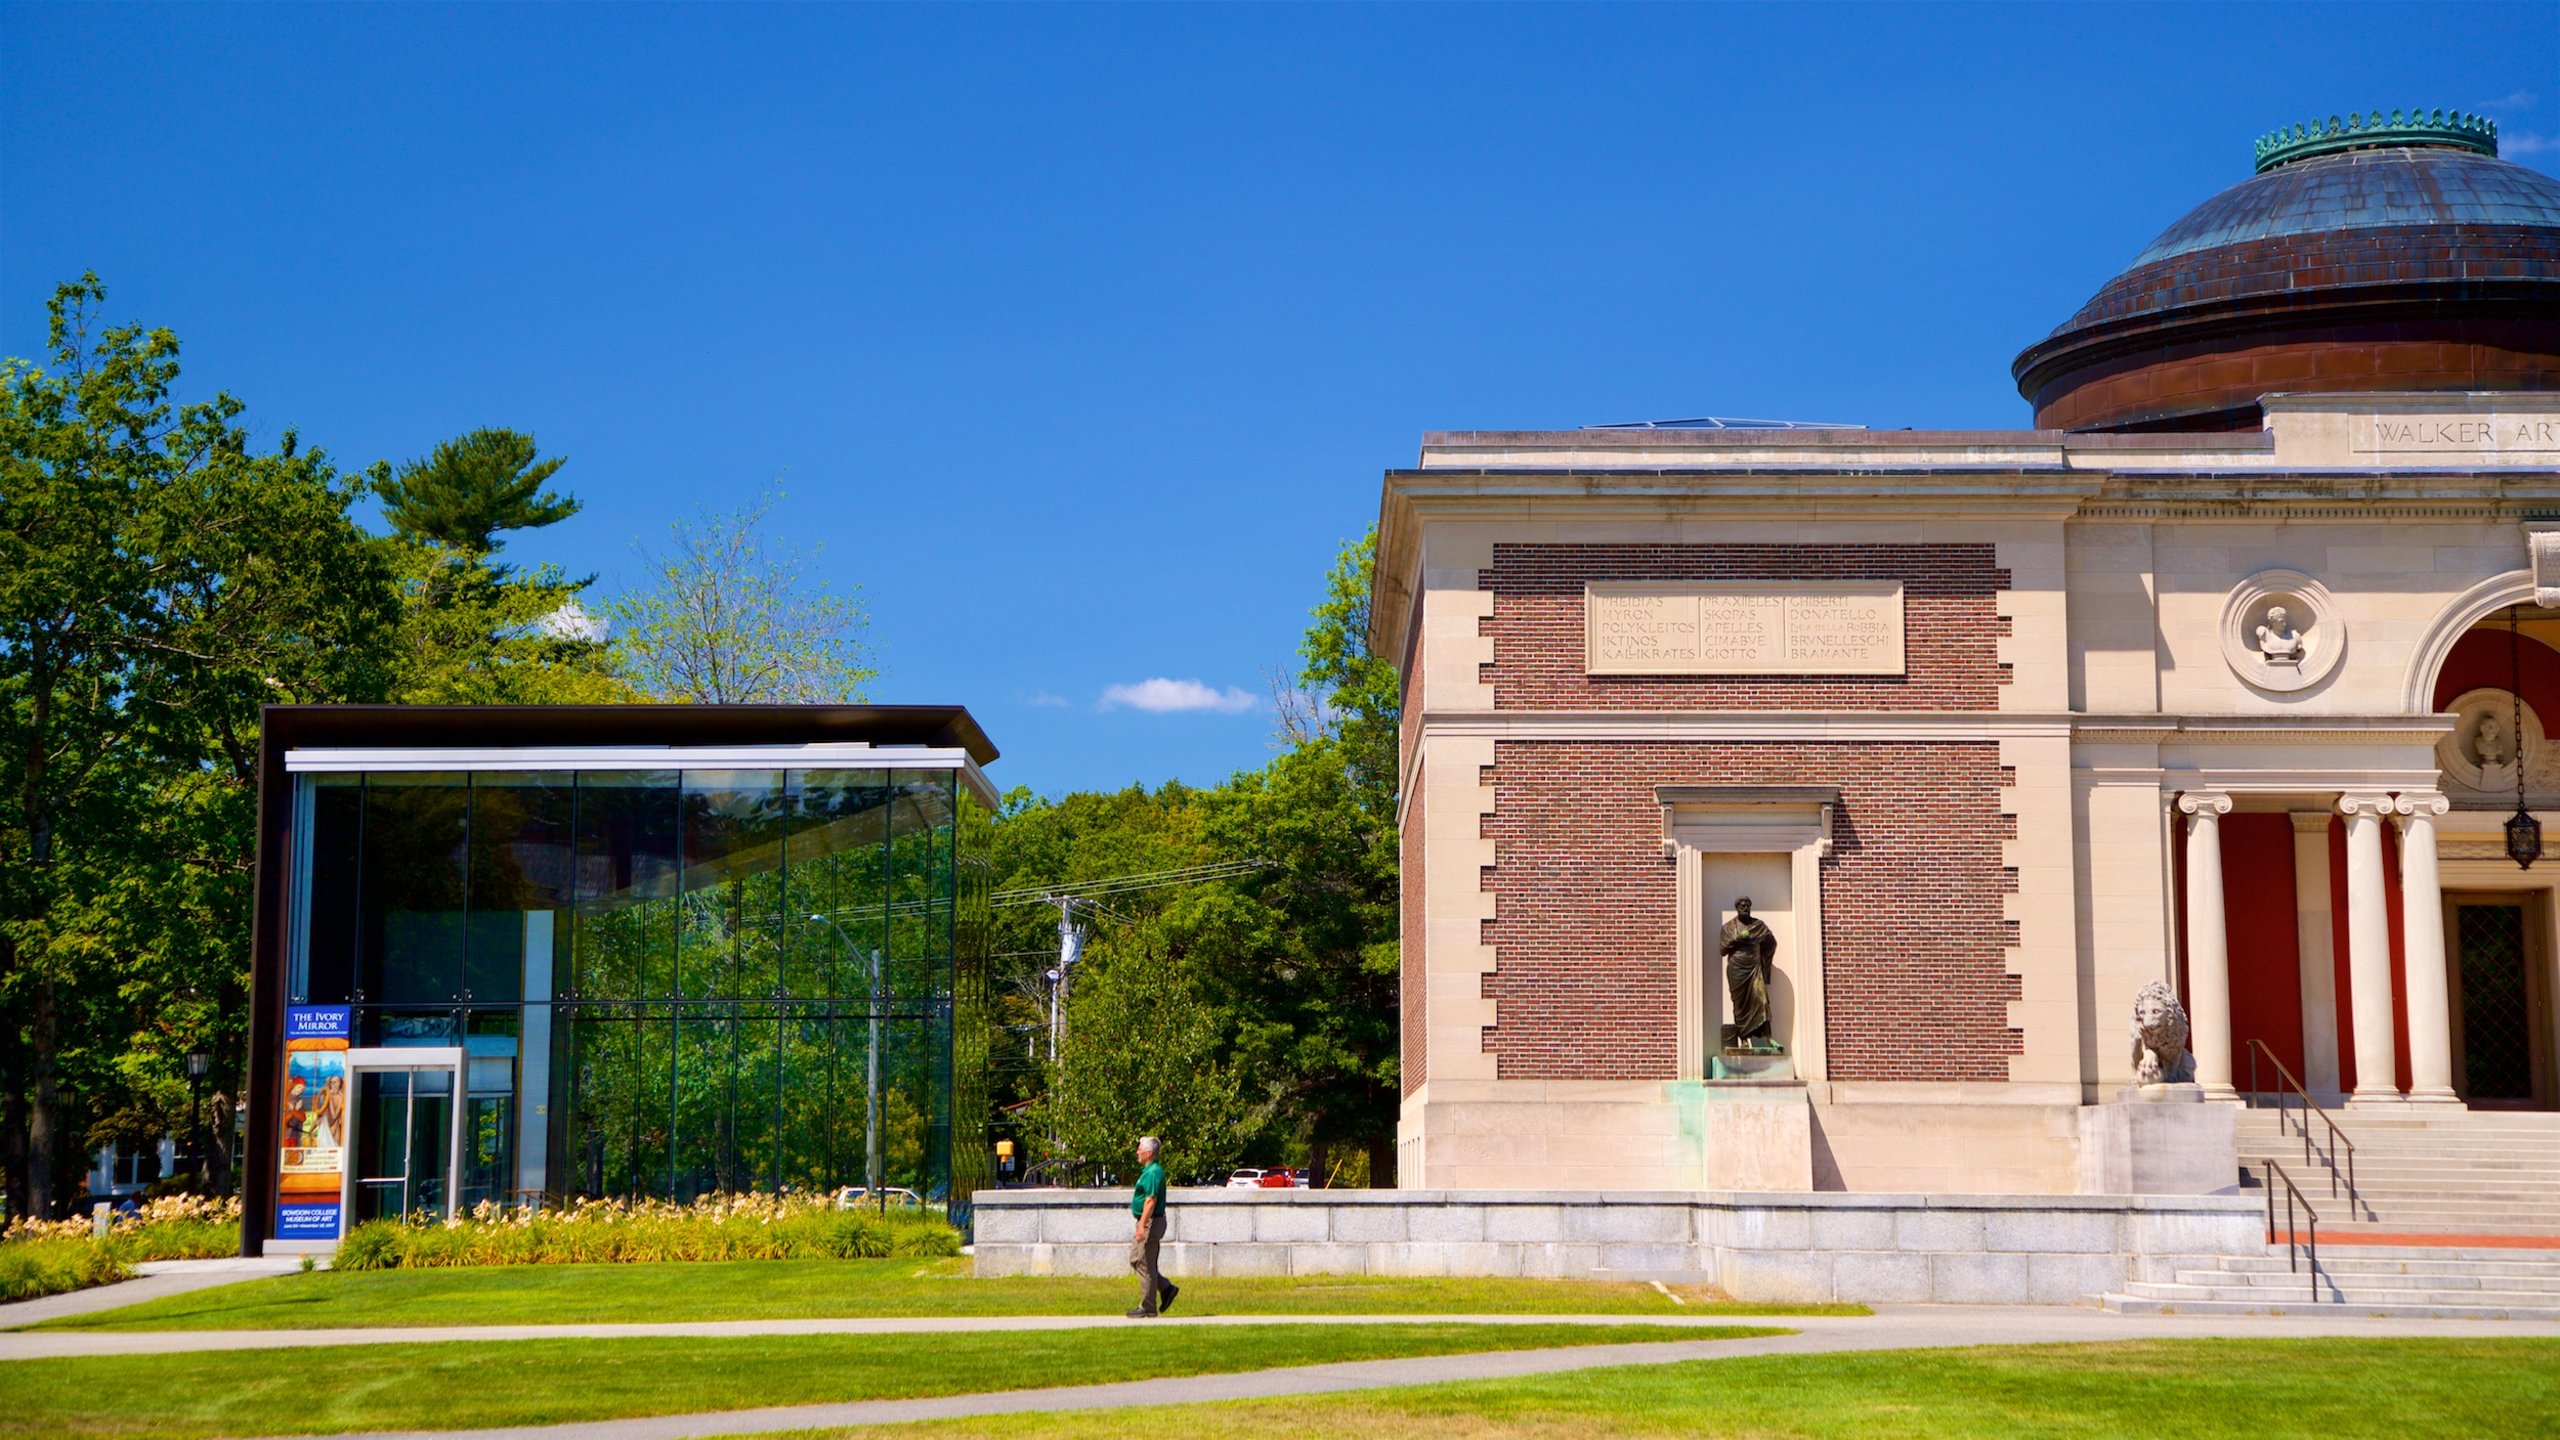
[[311, 1181]]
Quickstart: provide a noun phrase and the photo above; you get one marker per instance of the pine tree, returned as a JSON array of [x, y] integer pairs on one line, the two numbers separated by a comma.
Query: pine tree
[[473, 487]]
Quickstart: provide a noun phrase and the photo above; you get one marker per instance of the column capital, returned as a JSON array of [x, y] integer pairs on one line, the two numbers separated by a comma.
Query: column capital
[[2376, 803], [2204, 802], [2421, 802], [2311, 822]]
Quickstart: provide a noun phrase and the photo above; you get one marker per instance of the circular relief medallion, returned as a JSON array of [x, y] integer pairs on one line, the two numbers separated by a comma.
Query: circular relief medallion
[[2281, 631], [2497, 732]]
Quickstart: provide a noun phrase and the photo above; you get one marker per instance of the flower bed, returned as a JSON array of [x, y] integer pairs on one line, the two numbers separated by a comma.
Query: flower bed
[[47, 1257], [716, 1227]]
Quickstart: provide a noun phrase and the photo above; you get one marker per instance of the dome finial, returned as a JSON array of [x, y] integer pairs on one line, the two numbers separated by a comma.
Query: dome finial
[[2451, 128]]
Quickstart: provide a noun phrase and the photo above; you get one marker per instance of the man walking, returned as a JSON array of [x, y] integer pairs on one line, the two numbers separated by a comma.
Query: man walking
[[1146, 1205]]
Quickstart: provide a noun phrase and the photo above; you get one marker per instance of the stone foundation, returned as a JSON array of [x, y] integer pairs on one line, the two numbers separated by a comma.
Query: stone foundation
[[1956, 1249]]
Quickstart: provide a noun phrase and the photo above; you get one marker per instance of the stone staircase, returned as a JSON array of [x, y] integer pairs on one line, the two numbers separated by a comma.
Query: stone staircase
[[2419, 1174], [2397, 1282], [2452, 1173]]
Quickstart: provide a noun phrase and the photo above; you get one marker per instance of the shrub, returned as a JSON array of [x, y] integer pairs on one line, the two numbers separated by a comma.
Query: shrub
[[48, 1266], [374, 1245], [47, 1257], [715, 1227]]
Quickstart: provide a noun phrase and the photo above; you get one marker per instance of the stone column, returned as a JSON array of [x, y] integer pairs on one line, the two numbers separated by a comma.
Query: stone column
[[2208, 944], [2316, 944], [2422, 951], [2369, 950]]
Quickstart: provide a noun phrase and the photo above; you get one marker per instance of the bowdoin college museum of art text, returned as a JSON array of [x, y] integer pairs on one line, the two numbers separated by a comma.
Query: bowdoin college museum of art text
[[2221, 689]]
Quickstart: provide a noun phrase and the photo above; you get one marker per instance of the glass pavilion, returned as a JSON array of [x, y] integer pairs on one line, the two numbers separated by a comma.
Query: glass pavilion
[[728, 948]]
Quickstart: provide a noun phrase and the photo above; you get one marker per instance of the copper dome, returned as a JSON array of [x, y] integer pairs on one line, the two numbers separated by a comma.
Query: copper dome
[[2384, 254]]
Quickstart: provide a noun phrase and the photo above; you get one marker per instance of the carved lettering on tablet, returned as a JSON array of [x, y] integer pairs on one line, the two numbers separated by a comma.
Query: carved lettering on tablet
[[1643, 627]]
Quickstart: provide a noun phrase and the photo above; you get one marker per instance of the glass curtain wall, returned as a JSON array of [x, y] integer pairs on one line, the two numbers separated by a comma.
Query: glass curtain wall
[[667, 983]]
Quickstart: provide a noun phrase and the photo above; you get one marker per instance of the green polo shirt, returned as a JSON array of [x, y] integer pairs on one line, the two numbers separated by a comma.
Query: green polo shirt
[[1150, 1184]]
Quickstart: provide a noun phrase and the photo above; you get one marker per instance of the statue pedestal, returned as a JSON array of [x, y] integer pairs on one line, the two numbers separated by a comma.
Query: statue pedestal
[[1753, 1134], [2159, 1140], [1751, 1065]]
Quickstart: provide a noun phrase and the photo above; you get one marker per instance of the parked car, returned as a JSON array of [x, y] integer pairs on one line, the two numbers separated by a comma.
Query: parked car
[[1245, 1180], [1282, 1178], [893, 1197]]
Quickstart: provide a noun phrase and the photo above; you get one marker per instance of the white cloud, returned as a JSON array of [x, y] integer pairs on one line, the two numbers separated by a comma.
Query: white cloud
[[1160, 696], [2518, 100], [2516, 142], [1042, 699], [570, 622]]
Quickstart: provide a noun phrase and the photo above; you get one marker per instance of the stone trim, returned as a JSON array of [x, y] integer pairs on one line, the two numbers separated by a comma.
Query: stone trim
[[1819, 1247]]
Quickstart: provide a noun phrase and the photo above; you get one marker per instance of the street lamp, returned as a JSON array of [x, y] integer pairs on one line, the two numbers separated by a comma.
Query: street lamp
[[198, 1062], [870, 1071]]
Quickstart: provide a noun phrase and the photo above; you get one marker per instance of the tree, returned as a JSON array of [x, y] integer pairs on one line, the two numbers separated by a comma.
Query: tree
[[474, 631], [730, 620], [471, 488], [1295, 961], [159, 581], [1311, 938], [1145, 1054]]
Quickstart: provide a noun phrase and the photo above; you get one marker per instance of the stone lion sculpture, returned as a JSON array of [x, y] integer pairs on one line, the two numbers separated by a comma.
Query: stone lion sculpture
[[2160, 1037]]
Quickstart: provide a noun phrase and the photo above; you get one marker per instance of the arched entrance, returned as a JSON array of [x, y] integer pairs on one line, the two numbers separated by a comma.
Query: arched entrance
[[2501, 922]]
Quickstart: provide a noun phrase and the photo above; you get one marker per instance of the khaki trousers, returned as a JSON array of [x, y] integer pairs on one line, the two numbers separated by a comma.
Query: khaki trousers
[[1143, 1257]]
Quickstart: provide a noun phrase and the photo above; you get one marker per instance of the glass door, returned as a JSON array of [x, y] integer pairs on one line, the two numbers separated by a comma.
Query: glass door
[[404, 1143], [2498, 1060]]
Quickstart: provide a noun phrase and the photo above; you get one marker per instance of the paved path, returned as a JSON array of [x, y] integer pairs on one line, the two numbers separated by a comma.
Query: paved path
[[156, 1279], [1896, 1327]]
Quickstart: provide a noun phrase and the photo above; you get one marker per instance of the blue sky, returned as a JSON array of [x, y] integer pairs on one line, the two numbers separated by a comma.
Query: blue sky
[[1078, 337]]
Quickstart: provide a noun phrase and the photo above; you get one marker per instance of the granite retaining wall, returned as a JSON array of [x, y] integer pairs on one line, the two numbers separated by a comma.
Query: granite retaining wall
[[1817, 1246]]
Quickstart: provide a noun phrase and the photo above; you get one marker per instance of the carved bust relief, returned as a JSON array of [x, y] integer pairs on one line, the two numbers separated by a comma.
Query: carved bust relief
[[2281, 631], [2278, 642], [2492, 734]]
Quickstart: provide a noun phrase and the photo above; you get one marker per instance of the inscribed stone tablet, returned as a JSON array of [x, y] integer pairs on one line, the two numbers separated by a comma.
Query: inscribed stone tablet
[[1688, 627]]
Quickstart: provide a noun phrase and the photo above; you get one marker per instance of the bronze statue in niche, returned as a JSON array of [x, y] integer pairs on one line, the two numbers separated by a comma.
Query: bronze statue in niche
[[1748, 948]]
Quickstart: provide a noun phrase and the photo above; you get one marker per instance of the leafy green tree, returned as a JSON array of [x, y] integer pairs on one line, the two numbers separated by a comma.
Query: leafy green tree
[[476, 633], [471, 488], [1294, 960], [1310, 939], [160, 579], [1145, 1053], [728, 618], [1039, 847]]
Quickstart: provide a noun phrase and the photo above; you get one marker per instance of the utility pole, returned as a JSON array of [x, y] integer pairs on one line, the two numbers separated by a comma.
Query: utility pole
[[871, 1092], [1070, 950]]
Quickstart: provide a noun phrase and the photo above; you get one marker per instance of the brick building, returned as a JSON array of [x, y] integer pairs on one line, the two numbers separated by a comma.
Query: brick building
[[1995, 727]]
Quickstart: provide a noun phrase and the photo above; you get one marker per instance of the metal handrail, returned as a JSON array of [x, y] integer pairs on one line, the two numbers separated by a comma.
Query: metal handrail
[[2337, 1138], [2293, 1195]]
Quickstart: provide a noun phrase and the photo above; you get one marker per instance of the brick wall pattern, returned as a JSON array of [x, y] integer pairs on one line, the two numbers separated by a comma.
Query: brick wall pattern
[[1915, 979], [1951, 626]]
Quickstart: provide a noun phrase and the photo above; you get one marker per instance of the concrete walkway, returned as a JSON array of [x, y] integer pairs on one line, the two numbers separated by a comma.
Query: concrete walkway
[[154, 1279], [1900, 1327]]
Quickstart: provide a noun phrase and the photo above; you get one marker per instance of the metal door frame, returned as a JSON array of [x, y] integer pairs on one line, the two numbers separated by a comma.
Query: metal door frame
[[450, 1059]]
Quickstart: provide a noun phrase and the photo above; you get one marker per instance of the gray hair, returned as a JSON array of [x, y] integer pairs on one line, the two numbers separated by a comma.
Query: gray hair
[[1148, 1142]]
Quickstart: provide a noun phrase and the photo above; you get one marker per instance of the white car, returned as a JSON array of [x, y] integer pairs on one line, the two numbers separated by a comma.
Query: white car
[[1245, 1180]]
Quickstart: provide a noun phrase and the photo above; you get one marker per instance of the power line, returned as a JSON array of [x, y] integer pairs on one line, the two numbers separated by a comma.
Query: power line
[[1124, 884]]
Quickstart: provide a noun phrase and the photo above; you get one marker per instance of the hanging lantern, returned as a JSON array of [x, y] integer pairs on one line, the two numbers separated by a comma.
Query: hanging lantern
[[2524, 839], [2524, 833]]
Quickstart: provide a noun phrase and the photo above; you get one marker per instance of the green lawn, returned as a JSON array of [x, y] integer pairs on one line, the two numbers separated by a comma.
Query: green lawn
[[2136, 1390], [466, 1383], [811, 1289]]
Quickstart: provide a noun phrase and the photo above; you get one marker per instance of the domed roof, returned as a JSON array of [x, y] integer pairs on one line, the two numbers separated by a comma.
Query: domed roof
[[2377, 254], [2356, 189]]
